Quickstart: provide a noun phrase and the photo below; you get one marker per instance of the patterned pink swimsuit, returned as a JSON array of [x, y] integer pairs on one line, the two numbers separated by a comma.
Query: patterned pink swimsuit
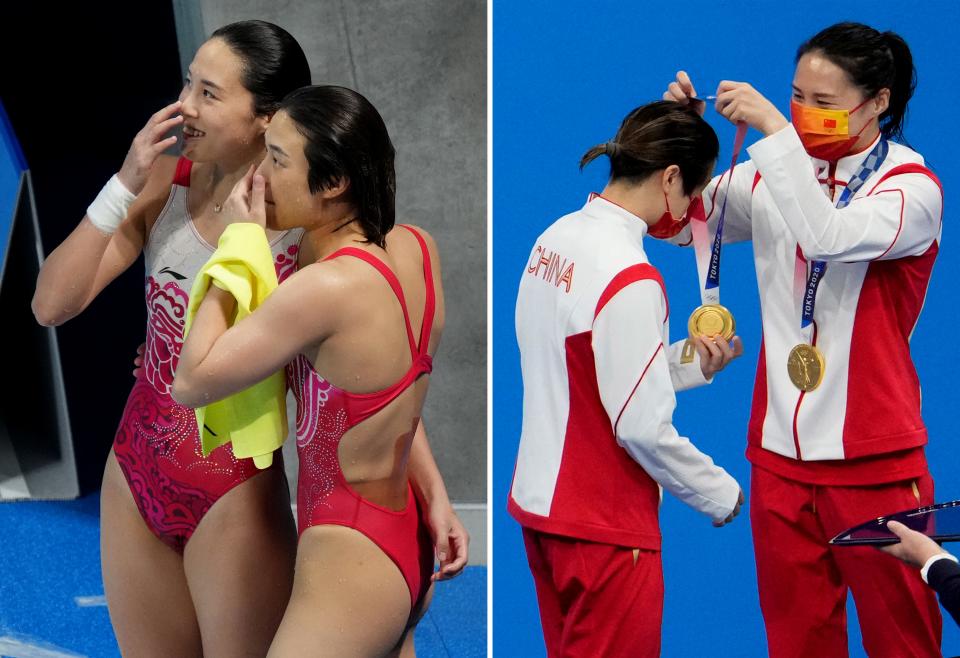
[[157, 444]]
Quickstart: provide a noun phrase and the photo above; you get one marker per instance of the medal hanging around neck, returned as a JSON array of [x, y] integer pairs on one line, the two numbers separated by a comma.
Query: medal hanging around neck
[[806, 364], [711, 319]]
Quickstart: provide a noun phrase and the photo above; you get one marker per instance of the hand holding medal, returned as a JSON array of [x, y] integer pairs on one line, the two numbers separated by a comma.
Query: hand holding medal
[[715, 354]]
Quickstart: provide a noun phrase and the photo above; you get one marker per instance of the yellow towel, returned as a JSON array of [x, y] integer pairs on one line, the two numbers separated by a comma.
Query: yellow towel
[[255, 419]]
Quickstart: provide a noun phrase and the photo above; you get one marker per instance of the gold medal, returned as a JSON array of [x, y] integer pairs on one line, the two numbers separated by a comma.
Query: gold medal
[[806, 366], [712, 320]]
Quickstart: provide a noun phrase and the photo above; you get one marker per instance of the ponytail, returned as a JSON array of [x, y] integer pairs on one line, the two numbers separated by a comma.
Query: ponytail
[[901, 88], [653, 137]]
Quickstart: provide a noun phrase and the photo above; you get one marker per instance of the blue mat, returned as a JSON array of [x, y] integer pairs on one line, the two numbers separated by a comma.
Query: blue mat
[[51, 594]]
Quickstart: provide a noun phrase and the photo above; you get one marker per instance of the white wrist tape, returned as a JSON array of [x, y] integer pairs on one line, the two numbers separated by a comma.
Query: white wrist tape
[[110, 207]]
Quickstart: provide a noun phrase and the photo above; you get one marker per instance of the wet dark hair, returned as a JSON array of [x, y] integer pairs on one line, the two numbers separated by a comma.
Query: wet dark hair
[[273, 61], [873, 60], [653, 137], [346, 138]]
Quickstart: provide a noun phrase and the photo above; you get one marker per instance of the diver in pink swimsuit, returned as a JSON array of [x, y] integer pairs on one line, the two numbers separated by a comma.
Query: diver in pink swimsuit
[[177, 528], [366, 310], [157, 444]]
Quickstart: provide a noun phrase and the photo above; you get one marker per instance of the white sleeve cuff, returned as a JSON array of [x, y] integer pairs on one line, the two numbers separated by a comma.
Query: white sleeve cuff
[[731, 497], [686, 375], [939, 556]]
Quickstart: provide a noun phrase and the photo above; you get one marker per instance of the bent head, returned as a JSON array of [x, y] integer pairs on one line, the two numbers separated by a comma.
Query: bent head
[[328, 148], [234, 85], [667, 142]]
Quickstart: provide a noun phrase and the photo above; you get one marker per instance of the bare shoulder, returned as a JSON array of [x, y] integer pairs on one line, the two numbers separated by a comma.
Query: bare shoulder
[[325, 284], [439, 320], [427, 238], [407, 242]]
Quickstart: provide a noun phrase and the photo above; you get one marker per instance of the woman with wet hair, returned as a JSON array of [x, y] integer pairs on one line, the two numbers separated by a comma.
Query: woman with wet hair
[[357, 327], [197, 551]]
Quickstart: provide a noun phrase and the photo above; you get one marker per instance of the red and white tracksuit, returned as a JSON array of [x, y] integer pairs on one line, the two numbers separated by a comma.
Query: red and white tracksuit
[[852, 449], [599, 377]]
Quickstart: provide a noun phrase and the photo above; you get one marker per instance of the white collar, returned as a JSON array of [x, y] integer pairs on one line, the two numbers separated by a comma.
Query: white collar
[[599, 206]]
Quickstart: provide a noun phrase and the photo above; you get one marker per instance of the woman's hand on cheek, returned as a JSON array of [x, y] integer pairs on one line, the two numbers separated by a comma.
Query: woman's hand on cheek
[[245, 203]]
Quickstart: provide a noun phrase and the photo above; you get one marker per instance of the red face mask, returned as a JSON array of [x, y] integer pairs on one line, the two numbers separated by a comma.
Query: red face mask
[[668, 225], [825, 133]]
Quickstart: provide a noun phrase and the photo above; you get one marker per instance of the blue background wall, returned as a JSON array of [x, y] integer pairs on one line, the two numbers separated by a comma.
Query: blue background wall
[[564, 76]]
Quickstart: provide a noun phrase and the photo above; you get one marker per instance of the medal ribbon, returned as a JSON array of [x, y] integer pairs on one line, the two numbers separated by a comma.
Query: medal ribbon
[[707, 253], [806, 284]]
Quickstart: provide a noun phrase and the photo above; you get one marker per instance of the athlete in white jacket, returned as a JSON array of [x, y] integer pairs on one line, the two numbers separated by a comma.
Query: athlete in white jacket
[[845, 227], [599, 376]]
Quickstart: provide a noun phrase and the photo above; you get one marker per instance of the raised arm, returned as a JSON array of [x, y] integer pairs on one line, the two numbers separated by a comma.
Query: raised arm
[[899, 218], [735, 190], [112, 234], [218, 360]]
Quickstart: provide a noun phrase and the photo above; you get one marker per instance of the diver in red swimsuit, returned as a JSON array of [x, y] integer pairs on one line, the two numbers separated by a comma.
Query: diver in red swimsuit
[[325, 413], [366, 310]]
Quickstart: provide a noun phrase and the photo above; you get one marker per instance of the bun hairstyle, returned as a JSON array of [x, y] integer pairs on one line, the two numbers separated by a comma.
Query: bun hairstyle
[[653, 137]]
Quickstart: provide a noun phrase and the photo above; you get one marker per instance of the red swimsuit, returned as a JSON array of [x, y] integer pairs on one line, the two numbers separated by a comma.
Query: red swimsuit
[[325, 413]]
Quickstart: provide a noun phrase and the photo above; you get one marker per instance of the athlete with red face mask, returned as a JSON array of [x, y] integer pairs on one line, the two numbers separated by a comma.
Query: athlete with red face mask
[[845, 226], [599, 382]]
